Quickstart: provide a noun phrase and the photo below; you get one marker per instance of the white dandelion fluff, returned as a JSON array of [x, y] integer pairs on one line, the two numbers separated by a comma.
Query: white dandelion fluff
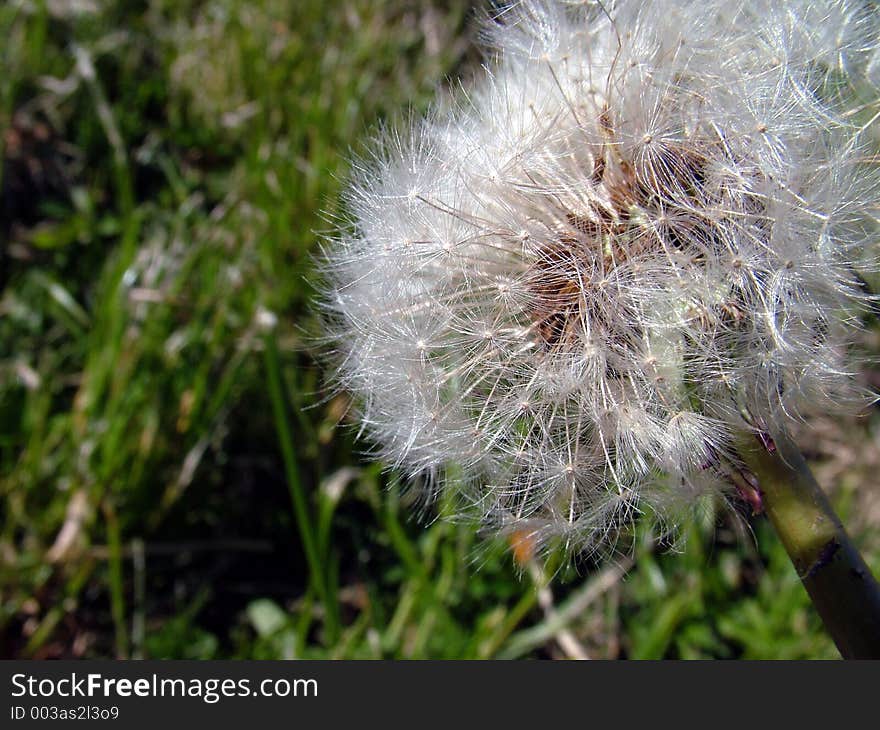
[[633, 239]]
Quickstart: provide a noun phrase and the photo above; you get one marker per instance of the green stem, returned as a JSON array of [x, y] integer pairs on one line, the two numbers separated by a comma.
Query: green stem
[[117, 591], [844, 591], [301, 510]]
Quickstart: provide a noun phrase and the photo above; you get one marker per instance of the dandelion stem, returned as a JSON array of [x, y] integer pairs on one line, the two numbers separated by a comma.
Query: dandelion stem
[[839, 582]]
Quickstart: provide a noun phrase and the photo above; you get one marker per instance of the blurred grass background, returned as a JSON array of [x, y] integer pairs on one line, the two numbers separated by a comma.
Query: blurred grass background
[[173, 479]]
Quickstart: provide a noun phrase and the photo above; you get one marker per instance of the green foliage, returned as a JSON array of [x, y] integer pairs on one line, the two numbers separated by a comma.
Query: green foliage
[[729, 594], [165, 168]]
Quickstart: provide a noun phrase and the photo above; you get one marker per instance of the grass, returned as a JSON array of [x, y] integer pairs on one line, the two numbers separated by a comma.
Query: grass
[[173, 479]]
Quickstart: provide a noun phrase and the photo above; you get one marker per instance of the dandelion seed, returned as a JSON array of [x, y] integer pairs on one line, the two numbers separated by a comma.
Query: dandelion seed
[[632, 240]]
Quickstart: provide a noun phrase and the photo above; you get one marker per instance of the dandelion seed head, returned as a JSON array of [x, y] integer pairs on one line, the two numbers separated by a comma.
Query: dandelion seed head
[[635, 237]]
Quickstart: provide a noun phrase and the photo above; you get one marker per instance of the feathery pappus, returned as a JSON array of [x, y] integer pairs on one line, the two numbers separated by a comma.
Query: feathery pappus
[[638, 235]]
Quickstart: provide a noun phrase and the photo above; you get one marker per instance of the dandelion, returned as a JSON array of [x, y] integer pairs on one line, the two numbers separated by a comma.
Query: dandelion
[[572, 295]]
